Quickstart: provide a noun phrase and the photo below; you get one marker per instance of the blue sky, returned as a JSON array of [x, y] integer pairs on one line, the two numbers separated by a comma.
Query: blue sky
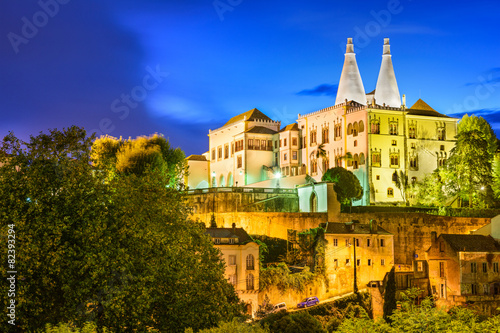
[[130, 67]]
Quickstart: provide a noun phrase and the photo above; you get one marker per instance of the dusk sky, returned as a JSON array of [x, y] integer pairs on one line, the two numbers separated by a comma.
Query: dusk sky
[[179, 68]]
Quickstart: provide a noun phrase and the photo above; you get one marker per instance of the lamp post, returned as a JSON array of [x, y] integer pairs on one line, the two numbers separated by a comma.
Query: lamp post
[[213, 223], [277, 175]]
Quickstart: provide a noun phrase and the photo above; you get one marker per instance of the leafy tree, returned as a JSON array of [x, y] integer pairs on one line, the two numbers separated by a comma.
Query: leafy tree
[[496, 176], [117, 251], [390, 303], [403, 185], [346, 186], [430, 191], [232, 327]]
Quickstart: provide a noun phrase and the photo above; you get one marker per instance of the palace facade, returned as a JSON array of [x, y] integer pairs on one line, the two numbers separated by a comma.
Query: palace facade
[[374, 135]]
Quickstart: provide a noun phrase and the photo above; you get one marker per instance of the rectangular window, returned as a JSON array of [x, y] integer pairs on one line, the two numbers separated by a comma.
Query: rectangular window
[[294, 141], [276, 144], [284, 142], [394, 143], [382, 242], [442, 291], [441, 246], [394, 160], [473, 288], [485, 267], [238, 146], [335, 263], [232, 149], [239, 162], [357, 242], [348, 262], [369, 262], [382, 262], [368, 242], [213, 154], [473, 267], [347, 242], [325, 135], [376, 159], [441, 269], [232, 260], [495, 267], [232, 280], [335, 242], [219, 151], [226, 151], [358, 262], [294, 155], [270, 145], [250, 143], [285, 156]]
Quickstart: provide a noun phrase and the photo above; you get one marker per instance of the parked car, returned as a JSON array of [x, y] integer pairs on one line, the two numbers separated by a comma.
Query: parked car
[[309, 301], [278, 307]]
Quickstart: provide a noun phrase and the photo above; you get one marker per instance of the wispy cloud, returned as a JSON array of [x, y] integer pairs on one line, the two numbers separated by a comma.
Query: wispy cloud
[[491, 76], [323, 89]]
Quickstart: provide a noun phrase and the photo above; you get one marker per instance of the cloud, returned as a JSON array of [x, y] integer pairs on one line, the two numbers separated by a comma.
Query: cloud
[[323, 89], [491, 76]]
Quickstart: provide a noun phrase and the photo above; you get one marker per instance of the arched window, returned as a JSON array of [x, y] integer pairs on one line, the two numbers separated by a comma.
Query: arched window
[[221, 181], [313, 203], [361, 126], [249, 282], [349, 129], [355, 161], [355, 129], [230, 179], [250, 262], [361, 159]]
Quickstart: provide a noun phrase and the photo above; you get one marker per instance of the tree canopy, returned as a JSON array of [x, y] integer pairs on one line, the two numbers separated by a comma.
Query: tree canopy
[[346, 186], [117, 251]]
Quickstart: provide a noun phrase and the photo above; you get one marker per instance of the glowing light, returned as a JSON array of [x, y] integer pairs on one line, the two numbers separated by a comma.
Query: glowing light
[[277, 175]]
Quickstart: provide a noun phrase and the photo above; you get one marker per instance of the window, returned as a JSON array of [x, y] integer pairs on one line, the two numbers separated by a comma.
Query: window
[[233, 279], [413, 145], [238, 145], [213, 154], [348, 262], [393, 128], [485, 267], [263, 144], [369, 262], [395, 177], [361, 159], [217, 240], [304, 145], [382, 262], [280, 143], [441, 147], [473, 267], [276, 144], [473, 288], [441, 133], [335, 242], [294, 155], [355, 143], [349, 129], [284, 142], [276, 162], [420, 266], [325, 135], [442, 291], [232, 260], [413, 162], [376, 159], [358, 262], [361, 126], [250, 143], [250, 262], [355, 129], [313, 137], [226, 151], [232, 149], [335, 263], [239, 162], [285, 156], [347, 244], [394, 142], [249, 282], [231, 240], [441, 269], [441, 246], [495, 267], [219, 153], [314, 166], [357, 242], [394, 159], [382, 242], [377, 177], [390, 192], [412, 131], [294, 141], [375, 126], [368, 242], [355, 161], [338, 131]]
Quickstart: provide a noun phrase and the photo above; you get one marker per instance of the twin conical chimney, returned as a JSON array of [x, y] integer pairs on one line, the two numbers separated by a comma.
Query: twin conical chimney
[[350, 85], [387, 91]]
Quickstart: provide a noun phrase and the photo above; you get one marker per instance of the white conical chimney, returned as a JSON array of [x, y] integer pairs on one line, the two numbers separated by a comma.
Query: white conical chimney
[[387, 91], [350, 85]]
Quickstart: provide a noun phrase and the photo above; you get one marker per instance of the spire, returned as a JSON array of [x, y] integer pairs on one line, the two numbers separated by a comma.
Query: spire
[[350, 85], [387, 91]]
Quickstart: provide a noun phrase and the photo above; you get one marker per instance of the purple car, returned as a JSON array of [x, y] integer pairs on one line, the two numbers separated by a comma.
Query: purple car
[[309, 301]]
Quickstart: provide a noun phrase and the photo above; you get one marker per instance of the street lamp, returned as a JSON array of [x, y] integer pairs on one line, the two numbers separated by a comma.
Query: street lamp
[[277, 175]]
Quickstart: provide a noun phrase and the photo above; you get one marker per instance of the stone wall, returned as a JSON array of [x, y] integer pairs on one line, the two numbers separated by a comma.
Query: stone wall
[[412, 231], [269, 224]]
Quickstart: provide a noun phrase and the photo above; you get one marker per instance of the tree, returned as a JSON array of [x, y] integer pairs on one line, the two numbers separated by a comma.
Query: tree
[[430, 191], [346, 186], [402, 184], [119, 251], [320, 152], [390, 303], [284, 322]]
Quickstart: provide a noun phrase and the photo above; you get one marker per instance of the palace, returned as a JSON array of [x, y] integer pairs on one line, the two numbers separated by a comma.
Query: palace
[[373, 135]]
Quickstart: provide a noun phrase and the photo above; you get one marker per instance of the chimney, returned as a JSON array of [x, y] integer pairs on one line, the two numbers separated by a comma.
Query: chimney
[[350, 84], [234, 228], [386, 91]]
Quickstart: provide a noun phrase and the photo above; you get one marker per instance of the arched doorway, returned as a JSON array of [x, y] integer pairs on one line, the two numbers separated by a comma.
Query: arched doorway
[[249, 309], [221, 181], [313, 202], [230, 179]]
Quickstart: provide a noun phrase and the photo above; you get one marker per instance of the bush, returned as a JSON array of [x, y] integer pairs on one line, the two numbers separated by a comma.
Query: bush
[[283, 322]]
